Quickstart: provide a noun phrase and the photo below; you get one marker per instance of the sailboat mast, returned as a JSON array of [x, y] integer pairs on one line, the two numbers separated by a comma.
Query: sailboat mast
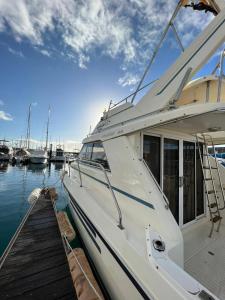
[[46, 144], [28, 128]]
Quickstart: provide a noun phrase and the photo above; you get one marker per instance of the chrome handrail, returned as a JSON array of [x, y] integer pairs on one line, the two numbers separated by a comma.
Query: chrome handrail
[[78, 165], [157, 184], [112, 105], [109, 186]]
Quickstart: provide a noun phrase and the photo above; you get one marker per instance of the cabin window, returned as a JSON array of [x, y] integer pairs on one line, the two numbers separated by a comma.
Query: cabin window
[[151, 154], [98, 155], [59, 153], [171, 175], [189, 205], [177, 163], [94, 152], [86, 151]]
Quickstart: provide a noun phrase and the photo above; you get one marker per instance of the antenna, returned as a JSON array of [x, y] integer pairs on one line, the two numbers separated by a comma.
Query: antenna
[[28, 128], [46, 144]]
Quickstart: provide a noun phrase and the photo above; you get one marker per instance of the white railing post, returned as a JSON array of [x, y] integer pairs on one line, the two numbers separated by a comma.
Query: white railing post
[[78, 165]]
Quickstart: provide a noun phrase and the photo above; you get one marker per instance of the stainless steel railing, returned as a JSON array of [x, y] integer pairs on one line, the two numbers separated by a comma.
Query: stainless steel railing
[[100, 166], [112, 105], [157, 184]]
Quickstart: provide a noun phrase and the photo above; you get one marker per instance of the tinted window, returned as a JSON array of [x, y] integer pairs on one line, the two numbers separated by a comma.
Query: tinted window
[[98, 155], [86, 151], [171, 175], [94, 152], [151, 154], [83, 152]]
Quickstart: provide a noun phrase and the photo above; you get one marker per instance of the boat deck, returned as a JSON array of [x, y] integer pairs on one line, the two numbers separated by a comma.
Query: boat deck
[[36, 266], [205, 257]]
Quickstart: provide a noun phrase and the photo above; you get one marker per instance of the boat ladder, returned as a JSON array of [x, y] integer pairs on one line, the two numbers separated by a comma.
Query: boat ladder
[[211, 176]]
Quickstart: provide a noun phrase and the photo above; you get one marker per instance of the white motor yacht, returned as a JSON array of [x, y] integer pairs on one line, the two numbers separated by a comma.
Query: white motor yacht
[[59, 155], [39, 156], [146, 196]]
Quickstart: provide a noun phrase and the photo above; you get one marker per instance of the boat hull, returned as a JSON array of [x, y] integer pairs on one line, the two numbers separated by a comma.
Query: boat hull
[[58, 159], [116, 278], [38, 160]]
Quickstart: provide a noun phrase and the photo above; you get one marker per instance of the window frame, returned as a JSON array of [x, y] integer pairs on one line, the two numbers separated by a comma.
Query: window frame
[[89, 161]]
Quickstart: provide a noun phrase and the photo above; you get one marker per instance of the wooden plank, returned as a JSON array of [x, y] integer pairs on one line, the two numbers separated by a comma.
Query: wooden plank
[[37, 267]]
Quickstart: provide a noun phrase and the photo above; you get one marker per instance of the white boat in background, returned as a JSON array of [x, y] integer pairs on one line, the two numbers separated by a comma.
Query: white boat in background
[[21, 156], [59, 155], [146, 196], [39, 157], [70, 158]]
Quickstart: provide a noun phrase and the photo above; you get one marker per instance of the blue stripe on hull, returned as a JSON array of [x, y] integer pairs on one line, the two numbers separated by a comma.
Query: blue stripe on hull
[[123, 267]]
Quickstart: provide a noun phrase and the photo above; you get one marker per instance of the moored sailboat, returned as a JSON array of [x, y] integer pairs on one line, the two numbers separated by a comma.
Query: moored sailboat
[[40, 156]]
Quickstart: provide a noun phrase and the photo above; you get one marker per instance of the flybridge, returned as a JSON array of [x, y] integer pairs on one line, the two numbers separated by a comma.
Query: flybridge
[[189, 62], [168, 88]]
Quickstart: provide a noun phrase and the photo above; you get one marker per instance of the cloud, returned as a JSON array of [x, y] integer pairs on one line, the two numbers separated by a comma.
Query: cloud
[[5, 116], [127, 29], [128, 79], [45, 52], [15, 52]]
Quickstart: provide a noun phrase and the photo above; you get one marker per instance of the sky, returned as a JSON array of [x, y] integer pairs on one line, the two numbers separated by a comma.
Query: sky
[[75, 56]]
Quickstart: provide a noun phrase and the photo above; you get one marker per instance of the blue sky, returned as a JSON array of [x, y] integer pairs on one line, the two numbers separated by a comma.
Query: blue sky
[[77, 55]]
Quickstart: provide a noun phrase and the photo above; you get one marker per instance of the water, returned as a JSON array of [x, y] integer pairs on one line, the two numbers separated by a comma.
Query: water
[[16, 183]]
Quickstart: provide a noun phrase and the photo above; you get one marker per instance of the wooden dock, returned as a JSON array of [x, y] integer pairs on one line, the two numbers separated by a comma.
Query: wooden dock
[[36, 266]]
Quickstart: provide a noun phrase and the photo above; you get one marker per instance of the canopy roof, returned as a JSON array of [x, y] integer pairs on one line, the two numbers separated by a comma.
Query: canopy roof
[[212, 123]]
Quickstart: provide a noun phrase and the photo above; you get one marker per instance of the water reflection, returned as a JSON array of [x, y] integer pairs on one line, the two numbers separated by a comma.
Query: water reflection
[[16, 184], [58, 166], [3, 166], [37, 168]]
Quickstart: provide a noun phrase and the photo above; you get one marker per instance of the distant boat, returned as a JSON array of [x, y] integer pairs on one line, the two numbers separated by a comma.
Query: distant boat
[[59, 155], [39, 156], [5, 151], [21, 156]]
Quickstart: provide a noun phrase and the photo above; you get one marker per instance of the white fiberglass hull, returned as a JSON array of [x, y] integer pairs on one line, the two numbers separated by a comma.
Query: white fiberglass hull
[[114, 274], [123, 264], [38, 160]]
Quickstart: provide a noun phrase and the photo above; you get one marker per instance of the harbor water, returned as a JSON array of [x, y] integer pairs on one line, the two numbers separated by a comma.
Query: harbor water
[[16, 183]]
